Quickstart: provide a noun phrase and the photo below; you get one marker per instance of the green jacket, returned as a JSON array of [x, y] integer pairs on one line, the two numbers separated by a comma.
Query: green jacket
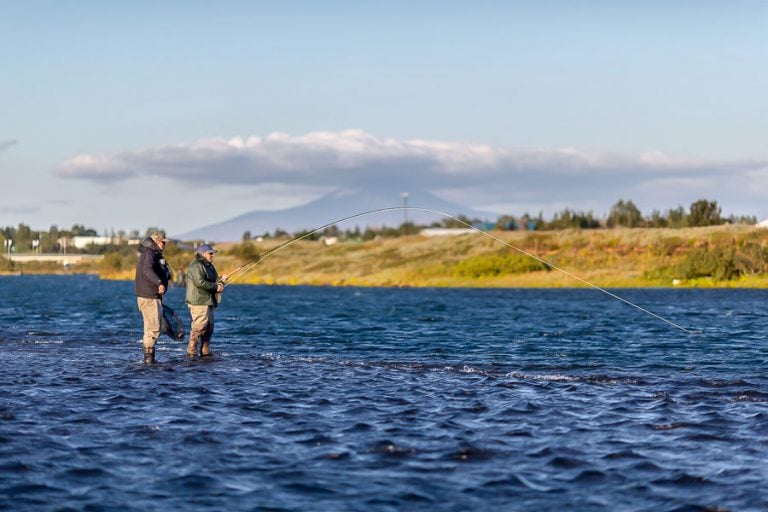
[[202, 280]]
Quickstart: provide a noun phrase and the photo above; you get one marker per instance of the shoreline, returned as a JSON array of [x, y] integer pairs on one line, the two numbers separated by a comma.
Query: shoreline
[[525, 281]]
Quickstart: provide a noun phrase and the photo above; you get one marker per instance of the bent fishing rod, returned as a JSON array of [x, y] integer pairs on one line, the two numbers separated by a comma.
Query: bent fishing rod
[[251, 264]]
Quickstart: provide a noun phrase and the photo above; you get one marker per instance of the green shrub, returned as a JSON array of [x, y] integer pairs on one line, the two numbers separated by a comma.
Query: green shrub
[[723, 264], [494, 265], [665, 273], [667, 246], [540, 242], [5, 264], [112, 262], [245, 251]]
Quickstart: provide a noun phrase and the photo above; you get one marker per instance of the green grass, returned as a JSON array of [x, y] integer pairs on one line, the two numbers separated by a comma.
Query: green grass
[[722, 256]]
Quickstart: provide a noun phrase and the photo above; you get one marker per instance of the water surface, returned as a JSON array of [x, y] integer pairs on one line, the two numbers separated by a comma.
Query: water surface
[[385, 399]]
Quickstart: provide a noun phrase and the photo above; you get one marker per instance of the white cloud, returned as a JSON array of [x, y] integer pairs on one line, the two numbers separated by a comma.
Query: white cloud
[[480, 173], [102, 167], [314, 158]]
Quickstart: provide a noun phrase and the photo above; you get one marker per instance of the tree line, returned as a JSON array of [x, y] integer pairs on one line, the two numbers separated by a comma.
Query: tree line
[[624, 213], [26, 239]]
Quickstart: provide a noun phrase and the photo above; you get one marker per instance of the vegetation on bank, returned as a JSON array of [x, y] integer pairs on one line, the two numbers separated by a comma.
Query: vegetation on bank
[[703, 212], [630, 251], [722, 256], [715, 256]]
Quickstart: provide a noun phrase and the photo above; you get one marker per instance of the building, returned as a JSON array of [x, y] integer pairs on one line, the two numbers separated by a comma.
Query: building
[[447, 231], [81, 242]]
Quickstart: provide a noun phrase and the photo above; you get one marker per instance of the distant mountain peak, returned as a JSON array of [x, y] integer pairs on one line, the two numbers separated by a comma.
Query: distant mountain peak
[[338, 204]]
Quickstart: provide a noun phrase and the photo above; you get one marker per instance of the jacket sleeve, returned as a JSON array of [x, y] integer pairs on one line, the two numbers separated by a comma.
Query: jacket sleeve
[[198, 277], [147, 271]]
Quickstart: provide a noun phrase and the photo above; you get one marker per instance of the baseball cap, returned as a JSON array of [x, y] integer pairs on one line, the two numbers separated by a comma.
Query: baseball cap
[[204, 248], [158, 236]]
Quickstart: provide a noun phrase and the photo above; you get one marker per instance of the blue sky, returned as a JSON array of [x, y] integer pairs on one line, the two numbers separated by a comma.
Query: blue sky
[[180, 114]]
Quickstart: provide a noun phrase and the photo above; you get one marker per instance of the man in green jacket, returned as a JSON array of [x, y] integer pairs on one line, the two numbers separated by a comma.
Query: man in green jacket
[[203, 285]]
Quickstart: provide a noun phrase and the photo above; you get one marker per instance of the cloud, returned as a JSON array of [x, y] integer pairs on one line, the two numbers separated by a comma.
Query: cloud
[[481, 172], [98, 167], [7, 144], [315, 158]]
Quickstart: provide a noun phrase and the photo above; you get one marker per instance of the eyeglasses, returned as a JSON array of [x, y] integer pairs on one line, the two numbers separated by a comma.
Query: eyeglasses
[[210, 253]]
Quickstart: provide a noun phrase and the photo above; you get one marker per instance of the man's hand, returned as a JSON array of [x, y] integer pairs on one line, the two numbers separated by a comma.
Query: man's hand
[[161, 289], [224, 278], [219, 288]]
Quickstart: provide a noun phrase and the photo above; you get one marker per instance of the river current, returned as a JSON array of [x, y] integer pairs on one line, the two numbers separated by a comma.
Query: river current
[[322, 398]]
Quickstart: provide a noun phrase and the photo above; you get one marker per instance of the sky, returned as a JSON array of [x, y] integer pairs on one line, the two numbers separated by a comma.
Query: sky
[[179, 114]]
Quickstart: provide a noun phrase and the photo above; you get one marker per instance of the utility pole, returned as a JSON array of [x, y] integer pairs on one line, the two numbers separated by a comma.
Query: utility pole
[[404, 195]]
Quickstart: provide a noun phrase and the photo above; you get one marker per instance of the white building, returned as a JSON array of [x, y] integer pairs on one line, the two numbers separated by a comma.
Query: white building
[[81, 242], [447, 231]]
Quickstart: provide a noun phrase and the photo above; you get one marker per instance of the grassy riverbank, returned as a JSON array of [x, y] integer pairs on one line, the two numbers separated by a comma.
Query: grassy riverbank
[[721, 256]]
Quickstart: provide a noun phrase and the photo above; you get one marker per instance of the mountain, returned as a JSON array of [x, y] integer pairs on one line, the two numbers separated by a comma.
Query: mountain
[[340, 203]]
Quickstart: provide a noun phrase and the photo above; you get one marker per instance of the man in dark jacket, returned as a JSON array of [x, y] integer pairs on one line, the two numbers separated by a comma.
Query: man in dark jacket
[[203, 285], [152, 276]]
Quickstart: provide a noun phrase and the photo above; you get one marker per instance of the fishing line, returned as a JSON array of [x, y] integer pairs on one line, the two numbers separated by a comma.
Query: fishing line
[[249, 265]]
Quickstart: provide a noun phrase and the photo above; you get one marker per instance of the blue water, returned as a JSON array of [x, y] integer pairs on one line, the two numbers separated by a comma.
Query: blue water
[[385, 399]]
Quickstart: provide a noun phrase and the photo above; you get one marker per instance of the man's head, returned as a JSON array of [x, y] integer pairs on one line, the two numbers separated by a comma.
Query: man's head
[[159, 238], [206, 251]]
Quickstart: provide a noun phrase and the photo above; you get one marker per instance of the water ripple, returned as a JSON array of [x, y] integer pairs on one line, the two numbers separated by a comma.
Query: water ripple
[[349, 399]]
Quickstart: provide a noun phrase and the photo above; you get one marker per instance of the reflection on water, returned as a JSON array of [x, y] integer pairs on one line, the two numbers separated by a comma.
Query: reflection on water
[[404, 399]]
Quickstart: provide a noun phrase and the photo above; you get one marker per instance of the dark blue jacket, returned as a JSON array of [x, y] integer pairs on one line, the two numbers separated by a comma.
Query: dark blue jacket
[[151, 271]]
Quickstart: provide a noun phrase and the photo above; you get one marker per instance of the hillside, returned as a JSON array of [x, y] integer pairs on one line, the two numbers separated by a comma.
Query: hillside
[[351, 200], [723, 256]]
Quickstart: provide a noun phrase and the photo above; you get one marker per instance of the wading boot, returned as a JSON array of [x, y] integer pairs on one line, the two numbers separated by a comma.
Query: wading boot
[[205, 349], [192, 345], [149, 355]]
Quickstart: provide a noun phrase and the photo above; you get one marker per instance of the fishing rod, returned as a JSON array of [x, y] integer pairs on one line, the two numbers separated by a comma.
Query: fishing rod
[[251, 264]]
